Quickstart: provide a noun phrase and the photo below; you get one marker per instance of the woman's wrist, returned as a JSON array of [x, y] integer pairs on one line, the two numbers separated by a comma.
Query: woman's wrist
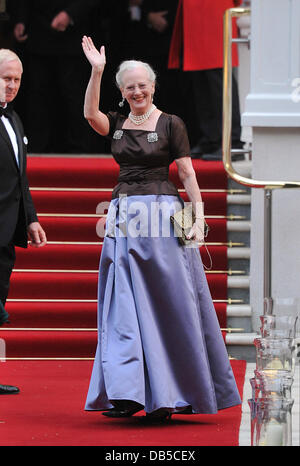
[[97, 70]]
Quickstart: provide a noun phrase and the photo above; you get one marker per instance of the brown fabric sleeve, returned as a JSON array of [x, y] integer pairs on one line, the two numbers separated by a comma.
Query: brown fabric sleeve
[[112, 118], [179, 141]]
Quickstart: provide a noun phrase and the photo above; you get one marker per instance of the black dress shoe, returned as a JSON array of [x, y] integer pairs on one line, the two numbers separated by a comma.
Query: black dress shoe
[[8, 390], [217, 156]]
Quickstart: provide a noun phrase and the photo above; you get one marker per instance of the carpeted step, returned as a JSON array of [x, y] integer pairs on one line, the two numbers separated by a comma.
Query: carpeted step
[[57, 285], [26, 285], [90, 202], [59, 256], [52, 314], [68, 314], [102, 172], [51, 343], [86, 257], [45, 344], [85, 228]]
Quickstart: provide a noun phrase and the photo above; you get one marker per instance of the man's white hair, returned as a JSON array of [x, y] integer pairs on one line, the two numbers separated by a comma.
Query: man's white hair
[[8, 55], [130, 65]]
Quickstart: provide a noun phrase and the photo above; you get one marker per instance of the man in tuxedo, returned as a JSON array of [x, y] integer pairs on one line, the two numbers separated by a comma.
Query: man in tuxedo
[[18, 219]]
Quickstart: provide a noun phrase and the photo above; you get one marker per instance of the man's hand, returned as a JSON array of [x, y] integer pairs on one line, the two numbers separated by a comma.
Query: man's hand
[[36, 235], [19, 30], [158, 21], [61, 21]]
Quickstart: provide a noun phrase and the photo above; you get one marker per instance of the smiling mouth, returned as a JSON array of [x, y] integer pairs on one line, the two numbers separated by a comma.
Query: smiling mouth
[[140, 97]]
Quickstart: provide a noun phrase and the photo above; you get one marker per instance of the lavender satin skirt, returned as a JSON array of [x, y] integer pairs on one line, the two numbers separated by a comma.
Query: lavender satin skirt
[[159, 340]]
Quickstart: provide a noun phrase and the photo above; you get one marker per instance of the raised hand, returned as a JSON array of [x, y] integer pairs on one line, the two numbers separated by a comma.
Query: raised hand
[[96, 58]]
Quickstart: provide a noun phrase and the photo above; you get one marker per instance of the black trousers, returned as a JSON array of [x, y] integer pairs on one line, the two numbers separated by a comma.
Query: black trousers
[[207, 88], [7, 262]]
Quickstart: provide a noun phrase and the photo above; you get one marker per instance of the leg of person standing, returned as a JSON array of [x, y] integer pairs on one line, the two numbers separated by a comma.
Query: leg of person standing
[[208, 92], [7, 261]]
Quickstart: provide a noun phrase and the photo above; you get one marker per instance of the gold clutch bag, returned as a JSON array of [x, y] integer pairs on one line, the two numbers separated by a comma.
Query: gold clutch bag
[[183, 221]]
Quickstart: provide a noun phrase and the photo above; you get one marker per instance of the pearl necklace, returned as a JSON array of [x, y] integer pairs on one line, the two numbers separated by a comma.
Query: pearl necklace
[[139, 119]]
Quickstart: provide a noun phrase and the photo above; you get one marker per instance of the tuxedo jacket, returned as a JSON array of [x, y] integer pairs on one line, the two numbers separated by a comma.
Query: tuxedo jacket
[[16, 207]]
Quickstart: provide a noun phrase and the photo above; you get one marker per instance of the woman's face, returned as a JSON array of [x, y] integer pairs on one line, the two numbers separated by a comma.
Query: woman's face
[[138, 90]]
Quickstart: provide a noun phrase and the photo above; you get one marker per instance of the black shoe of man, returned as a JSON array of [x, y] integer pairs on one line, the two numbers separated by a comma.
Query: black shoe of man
[[8, 390]]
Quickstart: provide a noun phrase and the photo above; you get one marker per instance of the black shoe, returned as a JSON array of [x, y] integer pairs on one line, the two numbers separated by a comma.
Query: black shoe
[[213, 156], [158, 416], [8, 390], [114, 412], [196, 152], [123, 408], [3, 315], [187, 410], [217, 156]]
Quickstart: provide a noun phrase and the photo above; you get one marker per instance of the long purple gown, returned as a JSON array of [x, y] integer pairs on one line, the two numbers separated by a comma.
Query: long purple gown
[[159, 340]]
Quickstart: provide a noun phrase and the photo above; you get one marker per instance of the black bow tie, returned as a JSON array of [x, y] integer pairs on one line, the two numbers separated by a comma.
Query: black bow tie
[[7, 112]]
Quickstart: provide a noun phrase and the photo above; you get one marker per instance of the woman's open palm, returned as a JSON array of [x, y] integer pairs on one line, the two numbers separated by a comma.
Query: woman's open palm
[[96, 58]]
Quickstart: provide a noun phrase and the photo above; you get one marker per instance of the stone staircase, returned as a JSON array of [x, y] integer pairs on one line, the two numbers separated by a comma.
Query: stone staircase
[[240, 340]]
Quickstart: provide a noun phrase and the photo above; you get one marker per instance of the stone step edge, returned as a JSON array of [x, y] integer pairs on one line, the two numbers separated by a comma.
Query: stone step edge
[[239, 310], [242, 339]]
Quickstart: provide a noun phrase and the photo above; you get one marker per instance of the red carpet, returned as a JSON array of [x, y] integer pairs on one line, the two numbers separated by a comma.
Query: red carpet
[[50, 411]]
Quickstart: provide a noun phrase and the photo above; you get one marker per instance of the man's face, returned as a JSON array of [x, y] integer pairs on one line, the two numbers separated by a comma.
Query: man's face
[[10, 73]]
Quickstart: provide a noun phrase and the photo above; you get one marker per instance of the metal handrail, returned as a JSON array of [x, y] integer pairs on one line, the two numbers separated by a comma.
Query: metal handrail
[[227, 110], [268, 186]]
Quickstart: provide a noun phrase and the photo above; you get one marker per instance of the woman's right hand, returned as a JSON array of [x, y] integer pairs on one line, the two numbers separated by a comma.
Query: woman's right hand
[[96, 58]]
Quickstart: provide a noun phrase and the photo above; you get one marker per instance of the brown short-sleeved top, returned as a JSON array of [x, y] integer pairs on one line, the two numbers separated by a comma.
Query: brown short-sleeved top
[[144, 156]]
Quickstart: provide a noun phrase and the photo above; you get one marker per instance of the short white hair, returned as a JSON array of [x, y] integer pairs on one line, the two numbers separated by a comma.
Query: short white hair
[[8, 55], [130, 65]]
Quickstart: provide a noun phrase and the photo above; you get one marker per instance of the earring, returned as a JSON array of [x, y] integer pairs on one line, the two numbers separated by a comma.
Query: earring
[[121, 104]]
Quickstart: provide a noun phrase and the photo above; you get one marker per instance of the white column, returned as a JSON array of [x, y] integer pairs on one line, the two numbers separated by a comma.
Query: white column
[[272, 109]]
